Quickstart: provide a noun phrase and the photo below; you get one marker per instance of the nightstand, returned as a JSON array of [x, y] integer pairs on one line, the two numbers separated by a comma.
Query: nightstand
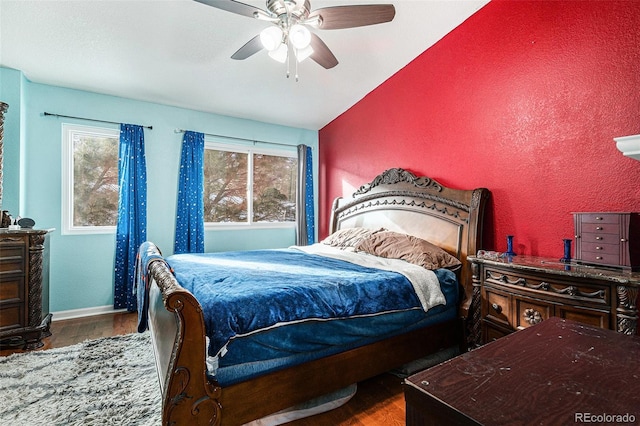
[[517, 292]]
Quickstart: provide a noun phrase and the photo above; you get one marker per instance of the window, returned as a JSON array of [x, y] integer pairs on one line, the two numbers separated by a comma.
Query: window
[[90, 179], [253, 187]]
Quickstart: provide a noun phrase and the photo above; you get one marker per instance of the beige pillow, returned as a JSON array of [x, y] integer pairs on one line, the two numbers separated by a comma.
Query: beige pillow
[[349, 237], [394, 245]]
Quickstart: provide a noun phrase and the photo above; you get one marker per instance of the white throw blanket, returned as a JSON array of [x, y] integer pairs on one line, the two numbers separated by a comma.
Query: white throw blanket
[[424, 282]]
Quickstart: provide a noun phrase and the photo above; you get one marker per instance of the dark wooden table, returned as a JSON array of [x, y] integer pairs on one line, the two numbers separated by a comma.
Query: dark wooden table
[[558, 372]]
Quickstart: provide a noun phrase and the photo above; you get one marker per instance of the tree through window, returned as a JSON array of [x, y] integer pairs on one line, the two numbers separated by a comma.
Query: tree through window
[[90, 179], [249, 187]]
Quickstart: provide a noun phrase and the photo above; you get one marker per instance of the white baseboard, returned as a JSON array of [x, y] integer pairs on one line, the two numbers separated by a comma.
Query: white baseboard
[[85, 312]]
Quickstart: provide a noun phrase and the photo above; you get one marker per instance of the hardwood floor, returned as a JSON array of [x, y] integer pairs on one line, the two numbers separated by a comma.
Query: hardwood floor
[[378, 401], [69, 332]]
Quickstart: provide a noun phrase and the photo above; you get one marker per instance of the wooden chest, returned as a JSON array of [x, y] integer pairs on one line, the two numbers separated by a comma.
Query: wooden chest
[[608, 239], [558, 372]]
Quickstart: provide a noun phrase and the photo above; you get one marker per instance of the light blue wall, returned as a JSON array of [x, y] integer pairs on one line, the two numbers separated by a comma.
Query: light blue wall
[[81, 271]]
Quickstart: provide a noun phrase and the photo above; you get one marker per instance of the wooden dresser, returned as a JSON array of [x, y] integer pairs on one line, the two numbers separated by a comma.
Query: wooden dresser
[[24, 288], [517, 292]]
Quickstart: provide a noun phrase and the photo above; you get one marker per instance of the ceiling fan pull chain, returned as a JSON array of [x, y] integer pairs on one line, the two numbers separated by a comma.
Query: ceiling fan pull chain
[[288, 59], [287, 27]]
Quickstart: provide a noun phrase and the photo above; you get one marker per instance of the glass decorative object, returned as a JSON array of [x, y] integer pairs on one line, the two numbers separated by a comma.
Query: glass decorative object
[[567, 250], [510, 251]]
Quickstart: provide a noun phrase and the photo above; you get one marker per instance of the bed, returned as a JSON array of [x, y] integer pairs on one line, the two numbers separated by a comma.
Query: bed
[[395, 203]]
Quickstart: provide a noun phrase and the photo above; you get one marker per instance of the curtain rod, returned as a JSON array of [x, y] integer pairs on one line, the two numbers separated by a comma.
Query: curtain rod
[[88, 119], [241, 139]]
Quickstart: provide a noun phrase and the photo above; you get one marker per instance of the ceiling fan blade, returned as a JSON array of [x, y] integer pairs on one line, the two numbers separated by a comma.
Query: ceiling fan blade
[[252, 46], [339, 17], [321, 53], [236, 7]]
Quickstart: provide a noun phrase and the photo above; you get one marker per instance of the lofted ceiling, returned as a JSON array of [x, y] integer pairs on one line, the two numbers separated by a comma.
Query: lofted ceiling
[[177, 52]]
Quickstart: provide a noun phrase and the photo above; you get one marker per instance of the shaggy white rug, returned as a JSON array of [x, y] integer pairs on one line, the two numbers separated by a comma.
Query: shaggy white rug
[[109, 381]]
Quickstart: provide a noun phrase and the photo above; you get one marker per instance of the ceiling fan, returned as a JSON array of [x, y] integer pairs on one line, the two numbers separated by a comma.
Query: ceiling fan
[[290, 34]]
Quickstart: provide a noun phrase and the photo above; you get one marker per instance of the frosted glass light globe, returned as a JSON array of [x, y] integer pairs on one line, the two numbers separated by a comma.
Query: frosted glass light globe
[[299, 36], [271, 38]]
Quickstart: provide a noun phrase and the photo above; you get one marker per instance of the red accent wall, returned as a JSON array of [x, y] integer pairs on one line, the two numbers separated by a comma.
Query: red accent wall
[[523, 98]]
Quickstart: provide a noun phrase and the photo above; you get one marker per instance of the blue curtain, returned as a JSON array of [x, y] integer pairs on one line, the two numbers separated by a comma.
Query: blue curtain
[[305, 212], [131, 230], [190, 214]]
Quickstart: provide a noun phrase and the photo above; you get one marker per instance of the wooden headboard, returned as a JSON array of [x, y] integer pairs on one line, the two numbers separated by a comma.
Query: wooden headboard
[[400, 201]]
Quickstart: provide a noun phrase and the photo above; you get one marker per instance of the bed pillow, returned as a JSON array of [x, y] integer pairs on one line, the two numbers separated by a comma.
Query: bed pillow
[[394, 245], [349, 237]]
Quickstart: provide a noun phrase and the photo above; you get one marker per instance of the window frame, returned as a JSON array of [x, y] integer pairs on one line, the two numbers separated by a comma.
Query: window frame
[[68, 130], [250, 151]]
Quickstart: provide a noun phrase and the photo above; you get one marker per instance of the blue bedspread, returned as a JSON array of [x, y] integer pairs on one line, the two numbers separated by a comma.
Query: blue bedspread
[[245, 292]]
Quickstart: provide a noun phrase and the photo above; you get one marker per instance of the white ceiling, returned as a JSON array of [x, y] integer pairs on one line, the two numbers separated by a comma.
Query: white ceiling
[[177, 52]]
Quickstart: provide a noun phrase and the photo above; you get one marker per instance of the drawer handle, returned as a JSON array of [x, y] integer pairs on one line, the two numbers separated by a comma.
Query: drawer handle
[[496, 307], [598, 257], [598, 217], [598, 248], [623, 240], [598, 228], [598, 238], [532, 316]]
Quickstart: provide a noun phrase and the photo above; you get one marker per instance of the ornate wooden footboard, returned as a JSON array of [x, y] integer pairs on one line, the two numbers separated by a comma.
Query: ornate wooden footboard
[[178, 335], [396, 200]]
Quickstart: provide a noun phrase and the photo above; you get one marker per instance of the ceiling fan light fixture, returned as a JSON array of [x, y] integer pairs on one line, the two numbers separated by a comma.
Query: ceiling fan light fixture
[[291, 19], [271, 38], [280, 53], [302, 54], [300, 36]]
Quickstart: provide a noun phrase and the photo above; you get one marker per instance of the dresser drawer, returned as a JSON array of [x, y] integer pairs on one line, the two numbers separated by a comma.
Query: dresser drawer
[[530, 312], [600, 257], [11, 290], [12, 259], [10, 250], [498, 307], [592, 317], [601, 228], [547, 287], [12, 317], [596, 247], [600, 238], [491, 332], [601, 218]]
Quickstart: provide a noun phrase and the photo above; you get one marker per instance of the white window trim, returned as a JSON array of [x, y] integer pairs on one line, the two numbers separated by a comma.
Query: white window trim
[[250, 150], [67, 178]]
